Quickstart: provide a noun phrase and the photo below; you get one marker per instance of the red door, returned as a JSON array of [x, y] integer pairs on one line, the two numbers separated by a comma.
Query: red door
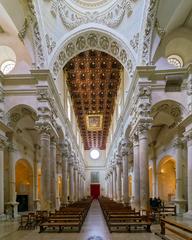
[[95, 190]]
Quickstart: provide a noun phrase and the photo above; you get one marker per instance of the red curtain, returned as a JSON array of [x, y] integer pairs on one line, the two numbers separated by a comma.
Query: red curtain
[[95, 190]]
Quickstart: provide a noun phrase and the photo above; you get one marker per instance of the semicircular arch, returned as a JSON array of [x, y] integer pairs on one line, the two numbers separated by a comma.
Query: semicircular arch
[[92, 38]]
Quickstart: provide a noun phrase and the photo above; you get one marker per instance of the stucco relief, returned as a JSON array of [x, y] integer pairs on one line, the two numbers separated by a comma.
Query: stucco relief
[[93, 40], [37, 38], [73, 16], [147, 31]]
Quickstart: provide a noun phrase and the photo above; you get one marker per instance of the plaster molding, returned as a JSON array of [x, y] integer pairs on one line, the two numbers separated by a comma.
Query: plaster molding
[[51, 44], [72, 16], [147, 31]]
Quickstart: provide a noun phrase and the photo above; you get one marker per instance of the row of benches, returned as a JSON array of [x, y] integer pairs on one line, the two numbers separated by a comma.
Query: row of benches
[[68, 218], [120, 218]]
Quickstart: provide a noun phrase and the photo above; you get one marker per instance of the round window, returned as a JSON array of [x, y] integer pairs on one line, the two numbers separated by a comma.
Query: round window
[[94, 154]]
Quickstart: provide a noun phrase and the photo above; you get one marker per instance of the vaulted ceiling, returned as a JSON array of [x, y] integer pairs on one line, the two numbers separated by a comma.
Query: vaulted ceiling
[[93, 79]]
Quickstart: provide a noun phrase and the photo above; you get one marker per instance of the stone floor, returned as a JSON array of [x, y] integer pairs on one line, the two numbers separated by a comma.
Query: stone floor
[[94, 228]]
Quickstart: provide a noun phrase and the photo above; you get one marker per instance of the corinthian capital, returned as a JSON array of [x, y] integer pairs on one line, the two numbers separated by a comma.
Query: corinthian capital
[[124, 147], [3, 141]]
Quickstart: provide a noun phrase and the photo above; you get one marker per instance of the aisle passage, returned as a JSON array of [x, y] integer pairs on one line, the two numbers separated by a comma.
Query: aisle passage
[[95, 225]]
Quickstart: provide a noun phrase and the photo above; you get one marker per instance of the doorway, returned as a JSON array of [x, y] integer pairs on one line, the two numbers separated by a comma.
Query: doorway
[[95, 190]]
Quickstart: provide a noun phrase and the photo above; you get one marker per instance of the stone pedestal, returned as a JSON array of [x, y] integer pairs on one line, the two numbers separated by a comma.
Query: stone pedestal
[[45, 171], [37, 204]]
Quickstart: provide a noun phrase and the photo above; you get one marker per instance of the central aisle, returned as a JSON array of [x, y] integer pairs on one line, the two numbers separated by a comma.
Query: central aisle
[[95, 224]]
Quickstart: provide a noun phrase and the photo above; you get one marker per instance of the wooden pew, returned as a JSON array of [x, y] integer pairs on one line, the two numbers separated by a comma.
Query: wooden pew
[[178, 229]]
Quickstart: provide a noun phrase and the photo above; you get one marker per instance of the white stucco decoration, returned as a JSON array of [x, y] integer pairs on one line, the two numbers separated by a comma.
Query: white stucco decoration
[[76, 12]]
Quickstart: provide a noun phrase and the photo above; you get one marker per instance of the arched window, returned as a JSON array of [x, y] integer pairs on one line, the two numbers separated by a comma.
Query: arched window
[[7, 66], [94, 154], [175, 60], [7, 59]]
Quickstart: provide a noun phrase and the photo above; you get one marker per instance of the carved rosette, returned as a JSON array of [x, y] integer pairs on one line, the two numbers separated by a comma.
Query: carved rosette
[[93, 40]]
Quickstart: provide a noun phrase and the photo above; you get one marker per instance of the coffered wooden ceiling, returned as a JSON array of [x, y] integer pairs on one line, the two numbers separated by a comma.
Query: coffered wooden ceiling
[[93, 79]]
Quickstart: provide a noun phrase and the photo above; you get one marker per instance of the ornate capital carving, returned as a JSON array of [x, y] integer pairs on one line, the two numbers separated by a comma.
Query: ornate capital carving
[[3, 141], [178, 142], [143, 126], [124, 147]]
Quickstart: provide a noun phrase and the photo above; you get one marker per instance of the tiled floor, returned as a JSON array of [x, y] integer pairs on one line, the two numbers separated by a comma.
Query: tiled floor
[[93, 227]]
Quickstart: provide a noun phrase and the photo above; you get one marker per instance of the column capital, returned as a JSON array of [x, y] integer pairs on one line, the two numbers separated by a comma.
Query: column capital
[[3, 141], [43, 127], [143, 127], [178, 142], [188, 136]]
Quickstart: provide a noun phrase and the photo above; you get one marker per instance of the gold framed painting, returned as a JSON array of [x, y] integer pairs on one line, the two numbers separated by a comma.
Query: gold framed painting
[[94, 122]]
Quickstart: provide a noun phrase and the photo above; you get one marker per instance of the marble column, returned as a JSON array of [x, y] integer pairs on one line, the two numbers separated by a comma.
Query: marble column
[[136, 173], [110, 185], [71, 182], [188, 135], [76, 184], [80, 186], [53, 174], [124, 151], [3, 141], [64, 179], [36, 200], [114, 183], [144, 166], [179, 198], [45, 170], [118, 170]]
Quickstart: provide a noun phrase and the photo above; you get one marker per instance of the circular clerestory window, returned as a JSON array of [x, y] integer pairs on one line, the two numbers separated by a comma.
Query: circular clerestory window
[[94, 154]]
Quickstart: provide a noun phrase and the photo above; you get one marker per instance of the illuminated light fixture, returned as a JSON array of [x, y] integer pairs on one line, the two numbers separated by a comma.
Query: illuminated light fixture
[[175, 60], [94, 122]]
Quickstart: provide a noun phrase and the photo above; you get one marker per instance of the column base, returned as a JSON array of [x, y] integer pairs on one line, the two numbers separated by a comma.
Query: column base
[[180, 206], [37, 204], [12, 208], [3, 217], [188, 214]]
